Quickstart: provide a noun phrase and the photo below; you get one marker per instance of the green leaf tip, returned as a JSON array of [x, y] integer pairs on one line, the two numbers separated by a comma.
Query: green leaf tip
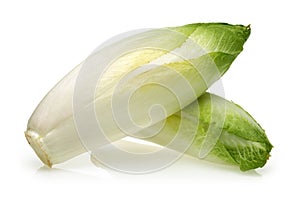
[[224, 28], [243, 139]]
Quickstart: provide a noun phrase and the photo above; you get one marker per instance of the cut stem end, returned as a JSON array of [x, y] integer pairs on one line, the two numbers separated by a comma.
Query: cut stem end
[[36, 143]]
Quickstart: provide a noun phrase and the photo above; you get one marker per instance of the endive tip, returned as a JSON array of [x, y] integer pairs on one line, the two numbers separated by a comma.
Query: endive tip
[[36, 143]]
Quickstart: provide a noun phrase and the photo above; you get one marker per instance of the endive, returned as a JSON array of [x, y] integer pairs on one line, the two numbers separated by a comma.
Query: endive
[[178, 65], [242, 142]]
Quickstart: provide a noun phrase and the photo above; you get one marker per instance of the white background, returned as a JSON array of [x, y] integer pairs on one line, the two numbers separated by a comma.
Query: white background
[[41, 41]]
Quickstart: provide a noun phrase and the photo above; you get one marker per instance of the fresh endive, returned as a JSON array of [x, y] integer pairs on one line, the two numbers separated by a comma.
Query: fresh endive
[[242, 141], [168, 67]]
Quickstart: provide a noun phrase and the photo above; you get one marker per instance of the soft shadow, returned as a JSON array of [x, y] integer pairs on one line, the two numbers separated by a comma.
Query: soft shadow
[[57, 174]]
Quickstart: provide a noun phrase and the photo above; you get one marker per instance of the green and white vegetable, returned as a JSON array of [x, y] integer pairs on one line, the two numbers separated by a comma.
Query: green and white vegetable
[[51, 130], [242, 141]]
